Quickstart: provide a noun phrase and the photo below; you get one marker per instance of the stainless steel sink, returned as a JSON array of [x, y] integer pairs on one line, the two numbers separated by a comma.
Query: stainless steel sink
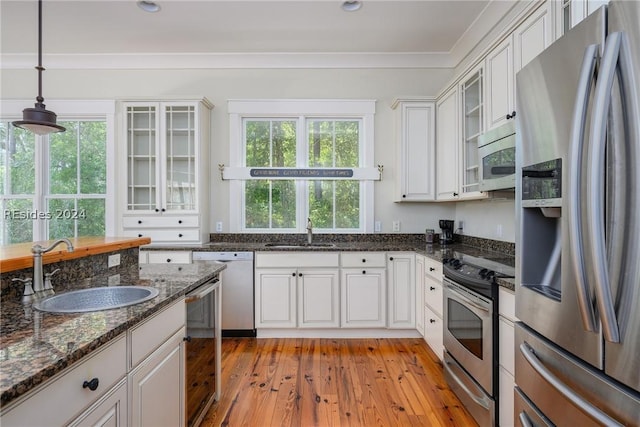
[[299, 245], [96, 299]]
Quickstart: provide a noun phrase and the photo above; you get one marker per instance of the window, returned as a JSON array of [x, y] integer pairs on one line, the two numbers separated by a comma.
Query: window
[[307, 136], [57, 185]]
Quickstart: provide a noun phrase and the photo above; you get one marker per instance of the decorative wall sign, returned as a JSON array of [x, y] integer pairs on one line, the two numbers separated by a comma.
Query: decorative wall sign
[[244, 173]]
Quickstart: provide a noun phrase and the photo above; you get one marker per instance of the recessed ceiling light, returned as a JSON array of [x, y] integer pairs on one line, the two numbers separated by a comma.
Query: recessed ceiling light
[[148, 6], [351, 5]]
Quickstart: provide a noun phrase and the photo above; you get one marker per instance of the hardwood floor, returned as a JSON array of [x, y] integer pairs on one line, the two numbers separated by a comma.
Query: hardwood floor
[[333, 382]]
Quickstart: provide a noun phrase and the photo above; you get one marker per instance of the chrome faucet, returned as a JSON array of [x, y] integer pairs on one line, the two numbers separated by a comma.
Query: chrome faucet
[[37, 251], [309, 231]]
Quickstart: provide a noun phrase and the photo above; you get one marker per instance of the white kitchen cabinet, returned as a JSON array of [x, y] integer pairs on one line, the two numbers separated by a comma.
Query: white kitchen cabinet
[[165, 257], [165, 168], [447, 146], [401, 287], [570, 13], [420, 280], [298, 289], [506, 358], [532, 36], [61, 399], [433, 306], [500, 100], [363, 302], [109, 411], [472, 126], [415, 130], [157, 386]]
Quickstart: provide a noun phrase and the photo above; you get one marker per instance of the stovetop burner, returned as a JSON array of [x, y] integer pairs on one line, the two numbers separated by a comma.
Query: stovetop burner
[[477, 274]]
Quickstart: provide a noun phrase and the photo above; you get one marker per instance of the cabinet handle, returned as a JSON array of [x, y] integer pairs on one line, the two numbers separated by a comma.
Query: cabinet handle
[[139, 221], [139, 235], [187, 338], [91, 385], [432, 269], [455, 194], [432, 320], [431, 288], [511, 116], [168, 259], [180, 235]]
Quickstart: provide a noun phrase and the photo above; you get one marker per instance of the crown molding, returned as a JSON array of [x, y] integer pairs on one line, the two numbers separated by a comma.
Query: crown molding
[[229, 60]]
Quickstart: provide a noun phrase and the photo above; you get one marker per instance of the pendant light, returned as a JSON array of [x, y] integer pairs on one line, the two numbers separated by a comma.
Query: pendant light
[[39, 120]]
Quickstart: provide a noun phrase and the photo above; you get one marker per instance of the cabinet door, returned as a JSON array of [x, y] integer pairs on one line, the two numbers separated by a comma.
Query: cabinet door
[[420, 281], [318, 299], [416, 123], [402, 291], [110, 411], [532, 36], [500, 88], [363, 298], [275, 298], [433, 331], [433, 295], [157, 386], [447, 146]]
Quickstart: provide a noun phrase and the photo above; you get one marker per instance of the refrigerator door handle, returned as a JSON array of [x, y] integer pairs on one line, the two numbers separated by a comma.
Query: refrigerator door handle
[[595, 188], [581, 106], [524, 419], [586, 407]]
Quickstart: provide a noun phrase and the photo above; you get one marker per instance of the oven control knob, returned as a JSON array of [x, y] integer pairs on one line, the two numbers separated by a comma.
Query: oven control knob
[[490, 275], [483, 273], [456, 263]]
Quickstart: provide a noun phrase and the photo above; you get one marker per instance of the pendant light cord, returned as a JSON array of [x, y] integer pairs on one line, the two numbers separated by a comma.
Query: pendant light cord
[[40, 68]]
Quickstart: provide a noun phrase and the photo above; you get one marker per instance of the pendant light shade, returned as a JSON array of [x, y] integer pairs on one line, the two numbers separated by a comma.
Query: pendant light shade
[[39, 120]]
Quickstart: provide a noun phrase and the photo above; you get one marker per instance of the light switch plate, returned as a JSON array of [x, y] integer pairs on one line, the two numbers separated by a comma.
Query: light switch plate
[[396, 226], [219, 226], [113, 260], [377, 226]]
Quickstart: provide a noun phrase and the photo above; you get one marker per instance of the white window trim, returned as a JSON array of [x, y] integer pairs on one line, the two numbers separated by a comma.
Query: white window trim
[[11, 109], [297, 108]]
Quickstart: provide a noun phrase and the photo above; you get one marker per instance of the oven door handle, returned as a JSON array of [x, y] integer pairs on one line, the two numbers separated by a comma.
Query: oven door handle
[[562, 388], [201, 292], [467, 300], [480, 400]]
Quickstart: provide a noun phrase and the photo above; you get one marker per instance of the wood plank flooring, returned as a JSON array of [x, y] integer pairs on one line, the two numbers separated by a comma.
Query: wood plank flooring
[[333, 382]]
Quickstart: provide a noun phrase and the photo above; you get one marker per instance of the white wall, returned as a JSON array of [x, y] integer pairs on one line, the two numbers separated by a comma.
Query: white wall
[[491, 219], [220, 85]]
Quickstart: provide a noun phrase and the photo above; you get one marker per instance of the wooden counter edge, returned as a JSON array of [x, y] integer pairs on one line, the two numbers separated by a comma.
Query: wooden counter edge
[[18, 257]]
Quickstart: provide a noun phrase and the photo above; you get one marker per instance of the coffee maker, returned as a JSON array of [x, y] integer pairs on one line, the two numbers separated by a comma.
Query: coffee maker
[[447, 231]]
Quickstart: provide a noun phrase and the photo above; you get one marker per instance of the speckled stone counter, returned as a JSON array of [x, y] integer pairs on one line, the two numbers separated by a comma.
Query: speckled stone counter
[[34, 346]]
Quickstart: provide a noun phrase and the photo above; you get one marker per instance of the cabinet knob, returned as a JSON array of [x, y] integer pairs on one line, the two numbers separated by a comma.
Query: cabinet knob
[[91, 385], [168, 259], [364, 260], [293, 274], [432, 269], [163, 209], [404, 196], [157, 210], [139, 235], [455, 194], [390, 258], [364, 272], [180, 235], [431, 288], [139, 221], [179, 221], [299, 274], [432, 320], [511, 116], [187, 338]]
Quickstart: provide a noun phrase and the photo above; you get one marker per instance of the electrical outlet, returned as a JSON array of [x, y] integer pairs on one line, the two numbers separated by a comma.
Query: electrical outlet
[[113, 260], [219, 226], [396, 226], [461, 225], [377, 227], [499, 230], [113, 280]]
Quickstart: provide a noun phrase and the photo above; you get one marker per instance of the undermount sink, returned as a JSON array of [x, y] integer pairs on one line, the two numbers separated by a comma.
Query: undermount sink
[[96, 299], [300, 245]]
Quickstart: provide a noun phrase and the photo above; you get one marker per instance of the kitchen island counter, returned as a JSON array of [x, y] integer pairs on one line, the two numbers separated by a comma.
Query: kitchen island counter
[[35, 346]]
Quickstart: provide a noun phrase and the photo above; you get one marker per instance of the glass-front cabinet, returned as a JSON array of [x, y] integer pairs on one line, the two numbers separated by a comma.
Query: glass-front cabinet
[[165, 160], [473, 110]]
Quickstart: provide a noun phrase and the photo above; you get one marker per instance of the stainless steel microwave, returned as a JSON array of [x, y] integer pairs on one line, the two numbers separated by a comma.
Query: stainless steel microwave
[[497, 158]]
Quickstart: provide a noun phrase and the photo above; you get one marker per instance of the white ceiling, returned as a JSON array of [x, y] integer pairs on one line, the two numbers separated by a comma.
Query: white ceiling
[[116, 28]]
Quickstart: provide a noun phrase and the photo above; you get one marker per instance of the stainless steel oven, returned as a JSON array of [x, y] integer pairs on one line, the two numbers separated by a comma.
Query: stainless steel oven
[[203, 349], [469, 335], [497, 158]]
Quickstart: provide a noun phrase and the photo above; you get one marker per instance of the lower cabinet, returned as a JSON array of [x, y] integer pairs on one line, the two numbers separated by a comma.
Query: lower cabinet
[[433, 330], [420, 263], [433, 306], [318, 298], [363, 298], [157, 386], [109, 411], [506, 368], [401, 288]]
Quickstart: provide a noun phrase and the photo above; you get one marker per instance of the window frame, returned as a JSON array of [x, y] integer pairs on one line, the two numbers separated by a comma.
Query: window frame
[[68, 110], [301, 110]]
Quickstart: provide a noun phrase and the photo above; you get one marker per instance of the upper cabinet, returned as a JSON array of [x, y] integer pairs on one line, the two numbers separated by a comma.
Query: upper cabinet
[[533, 36], [447, 146], [165, 157], [415, 129], [570, 12]]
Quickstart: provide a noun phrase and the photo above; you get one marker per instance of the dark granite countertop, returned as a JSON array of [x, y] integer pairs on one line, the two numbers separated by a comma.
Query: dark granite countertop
[[34, 346]]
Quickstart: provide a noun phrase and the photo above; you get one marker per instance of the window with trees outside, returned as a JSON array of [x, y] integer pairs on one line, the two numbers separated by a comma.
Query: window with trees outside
[[56, 185], [304, 135]]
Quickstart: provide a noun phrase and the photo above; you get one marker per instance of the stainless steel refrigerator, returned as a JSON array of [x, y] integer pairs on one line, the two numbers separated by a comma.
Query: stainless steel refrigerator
[[578, 233]]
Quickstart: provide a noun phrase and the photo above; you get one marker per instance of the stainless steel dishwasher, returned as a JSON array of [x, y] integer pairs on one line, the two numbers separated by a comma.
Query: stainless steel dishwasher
[[238, 292]]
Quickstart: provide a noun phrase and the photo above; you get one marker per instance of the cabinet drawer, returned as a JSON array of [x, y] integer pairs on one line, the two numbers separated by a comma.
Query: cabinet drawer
[[148, 336], [433, 268], [296, 259], [63, 397], [177, 236], [160, 221], [165, 257], [507, 304], [433, 331], [433, 294], [363, 259], [506, 342]]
